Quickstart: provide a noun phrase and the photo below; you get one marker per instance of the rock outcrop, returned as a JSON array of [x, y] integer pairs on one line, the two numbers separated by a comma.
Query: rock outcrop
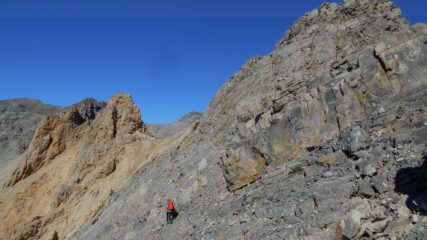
[[89, 108], [49, 141], [18, 120], [72, 167], [54, 132]]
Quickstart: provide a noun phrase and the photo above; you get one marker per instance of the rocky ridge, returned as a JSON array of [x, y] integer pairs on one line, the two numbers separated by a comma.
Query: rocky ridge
[[88, 108], [73, 164], [167, 130], [323, 138], [18, 120], [304, 143]]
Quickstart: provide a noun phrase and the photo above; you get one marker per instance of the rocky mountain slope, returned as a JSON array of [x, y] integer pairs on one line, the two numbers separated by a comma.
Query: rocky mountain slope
[[71, 168], [167, 130], [18, 120], [304, 143], [323, 138]]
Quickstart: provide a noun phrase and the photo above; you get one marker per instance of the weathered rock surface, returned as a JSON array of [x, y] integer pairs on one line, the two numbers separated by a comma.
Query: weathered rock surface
[[48, 142], [52, 134], [167, 130], [304, 143], [89, 108], [72, 167], [323, 138], [18, 120]]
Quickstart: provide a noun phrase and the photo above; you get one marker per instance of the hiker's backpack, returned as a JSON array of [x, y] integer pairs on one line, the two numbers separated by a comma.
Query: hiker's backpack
[[170, 205]]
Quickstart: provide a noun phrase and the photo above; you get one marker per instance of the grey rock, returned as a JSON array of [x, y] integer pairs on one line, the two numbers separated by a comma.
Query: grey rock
[[376, 227], [352, 224], [379, 184], [415, 218], [328, 174], [343, 81], [365, 188], [89, 108], [369, 170], [355, 139], [166, 130]]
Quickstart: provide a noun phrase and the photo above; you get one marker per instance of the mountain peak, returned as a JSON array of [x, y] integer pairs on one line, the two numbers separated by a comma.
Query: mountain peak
[[355, 17]]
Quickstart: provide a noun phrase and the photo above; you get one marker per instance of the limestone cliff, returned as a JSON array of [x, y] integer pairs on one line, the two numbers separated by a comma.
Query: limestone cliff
[[312, 141]]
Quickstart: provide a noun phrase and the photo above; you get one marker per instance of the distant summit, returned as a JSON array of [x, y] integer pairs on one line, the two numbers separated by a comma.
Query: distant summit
[[89, 107], [18, 120], [166, 130]]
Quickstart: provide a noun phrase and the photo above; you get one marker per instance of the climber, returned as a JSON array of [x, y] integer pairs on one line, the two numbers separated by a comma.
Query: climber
[[170, 210]]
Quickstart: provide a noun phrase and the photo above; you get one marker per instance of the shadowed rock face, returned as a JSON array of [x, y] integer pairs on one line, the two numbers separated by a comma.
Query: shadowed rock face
[[89, 107], [413, 182]]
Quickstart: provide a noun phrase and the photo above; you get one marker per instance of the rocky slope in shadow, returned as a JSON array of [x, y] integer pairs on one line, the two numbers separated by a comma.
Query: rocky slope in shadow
[[303, 143]]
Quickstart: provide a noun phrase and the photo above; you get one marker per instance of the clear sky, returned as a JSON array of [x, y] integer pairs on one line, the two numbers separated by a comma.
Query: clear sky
[[171, 56]]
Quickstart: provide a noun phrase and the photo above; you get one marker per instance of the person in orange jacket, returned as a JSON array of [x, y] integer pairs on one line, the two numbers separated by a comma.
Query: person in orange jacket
[[170, 209]]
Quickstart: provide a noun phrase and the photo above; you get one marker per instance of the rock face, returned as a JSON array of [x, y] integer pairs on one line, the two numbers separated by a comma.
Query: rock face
[[53, 133], [48, 142], [18, 120], [89, 107], [323, 138], [304, 143], [167, 130], [71, 168]]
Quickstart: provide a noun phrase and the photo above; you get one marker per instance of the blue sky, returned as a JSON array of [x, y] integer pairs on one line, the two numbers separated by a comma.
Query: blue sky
[[171, 56]]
